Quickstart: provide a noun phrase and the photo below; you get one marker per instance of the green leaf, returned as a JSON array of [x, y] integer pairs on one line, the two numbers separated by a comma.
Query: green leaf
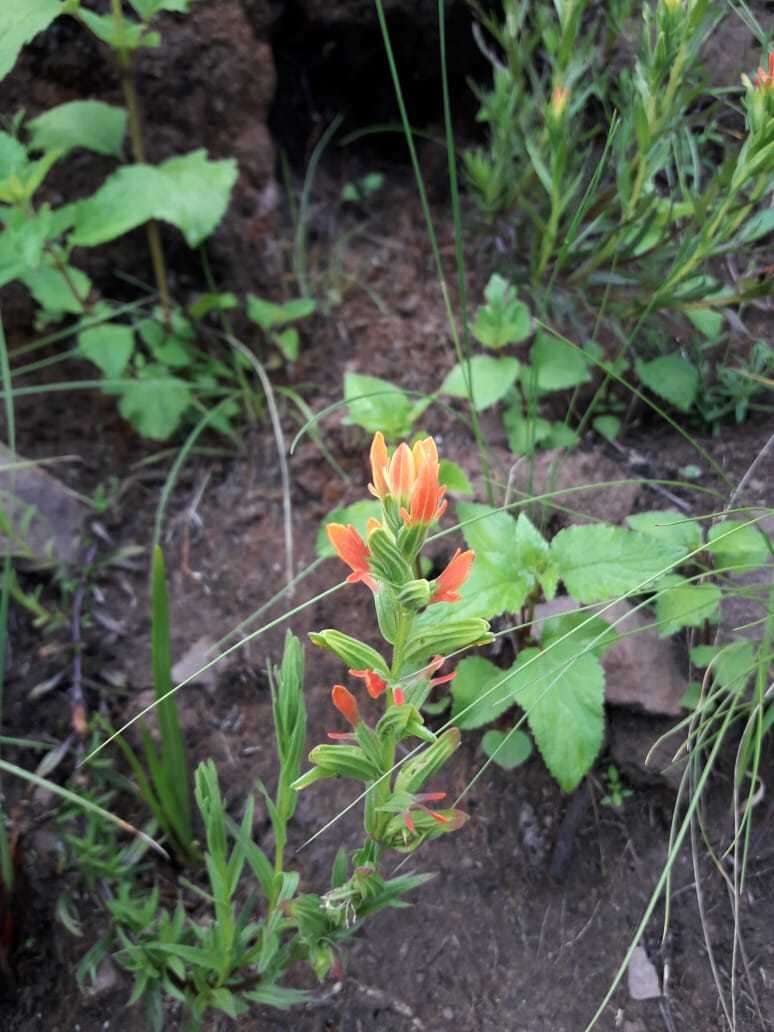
[[358, 514], [376, 404], [496, 584], [147, 8], [562, 693], [669, 526], [733, 543], [504, 319], [454, 478], [51, 289], [560, 436], [20, 20], [191, 192], [598, 562], [212, 303], [682, 603], [121, 34], [156, 403], [758, 225], [508, 749], [608, 426], [525, 433], [109, 346], [269, 315], [13, 155], [492, 379], [91, 124], [671, 377], [472, 687], [708, 321], [557, 364], [288, 343], [585, 631]]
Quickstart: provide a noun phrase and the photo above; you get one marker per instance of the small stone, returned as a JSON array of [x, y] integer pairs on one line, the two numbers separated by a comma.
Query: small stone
[[642, 976], [447, 1014]]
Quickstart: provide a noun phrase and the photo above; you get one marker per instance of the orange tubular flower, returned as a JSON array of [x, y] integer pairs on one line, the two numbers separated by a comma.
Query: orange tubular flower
[[375, 686], [427, 502], [764, 80], [410, 478], [453, 577], [351, 549], [379, 461], [346, 703]]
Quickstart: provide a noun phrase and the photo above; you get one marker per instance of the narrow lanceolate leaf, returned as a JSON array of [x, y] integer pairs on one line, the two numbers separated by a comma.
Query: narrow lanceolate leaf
[[191, 192], [20, 20], [598, 562], [562, 693]]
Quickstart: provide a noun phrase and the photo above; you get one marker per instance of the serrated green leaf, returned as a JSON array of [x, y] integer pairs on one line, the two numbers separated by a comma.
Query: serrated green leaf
[[670, 526], [19, 22], [472, 687], [671, 377], [109, 346], [508, 749], [562, 694], [376, 404], [358, 514], [597, 562], [492, 379], [91, 124], [52, 289], [454, 478], [557, 364], [496, 585], [586, 632], [734, 543], [682, 603], [156, 403], [708, 321], [191, 192]]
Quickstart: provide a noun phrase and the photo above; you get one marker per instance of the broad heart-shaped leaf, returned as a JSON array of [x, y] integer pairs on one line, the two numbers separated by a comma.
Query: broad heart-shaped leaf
[[357, 514], [155, 403], [598, 561], [671, 377], [109, 346], [669, 526], [191, 192], [474, 694], [504, 319], [377, 404], [556, 364], [682, 603], [734, 543], [562, 692], [53, 290], [20, 20], [492, 379], [91, 124], [508, 749]]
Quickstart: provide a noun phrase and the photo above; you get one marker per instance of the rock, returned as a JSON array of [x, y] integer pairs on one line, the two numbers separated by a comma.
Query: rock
[[557, 471], [640, 751], [642, 976], [46, 516], [194, 659], [641, 669]]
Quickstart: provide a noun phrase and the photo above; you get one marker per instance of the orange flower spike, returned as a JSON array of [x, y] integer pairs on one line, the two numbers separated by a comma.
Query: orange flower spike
[[346, 703], [401, 473], [375, 686], [351, 549], [379, 462], [453, 577]]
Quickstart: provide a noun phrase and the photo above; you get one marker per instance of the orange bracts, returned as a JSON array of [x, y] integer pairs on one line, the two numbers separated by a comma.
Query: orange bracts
[[453, 577], [764, 80], [374, 684], [350, 547], [410, 478], [346, 703]]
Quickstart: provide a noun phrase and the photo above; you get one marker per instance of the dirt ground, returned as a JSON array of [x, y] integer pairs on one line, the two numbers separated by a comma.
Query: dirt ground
[[507, 936]]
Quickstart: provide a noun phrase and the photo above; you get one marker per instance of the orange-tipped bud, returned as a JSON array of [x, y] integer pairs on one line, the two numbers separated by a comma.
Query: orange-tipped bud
[[427, 504], [346, 703], [379, 461], [375, 686], [351, 549], [453, 577], [401, 473], [764, 80]]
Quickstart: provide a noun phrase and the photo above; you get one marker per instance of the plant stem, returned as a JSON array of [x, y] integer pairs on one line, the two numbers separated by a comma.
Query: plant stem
[[132, 101]]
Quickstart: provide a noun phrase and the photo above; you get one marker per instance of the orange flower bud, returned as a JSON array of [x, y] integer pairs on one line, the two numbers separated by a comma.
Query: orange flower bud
[[379, 461], [453, 577], [374, 684], [346, 703], [352, 550]]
